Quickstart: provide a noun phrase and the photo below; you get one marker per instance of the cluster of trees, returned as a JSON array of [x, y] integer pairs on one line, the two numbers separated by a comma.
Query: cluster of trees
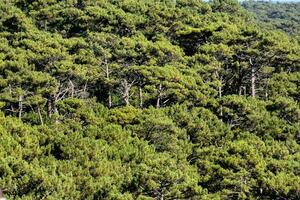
[[281, 16], [146, 99]]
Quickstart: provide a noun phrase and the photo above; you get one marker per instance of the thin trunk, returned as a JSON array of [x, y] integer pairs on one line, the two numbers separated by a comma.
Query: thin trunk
[[126, 88], [158, 102], [109, 89], [20, 106], [109, 98], [10, 92], [85, 86], [240, 85], [126, 98], [40, 115], [220, 96], [106, 70], [56, 114], [159, 96], [141, 96], [253, 79]]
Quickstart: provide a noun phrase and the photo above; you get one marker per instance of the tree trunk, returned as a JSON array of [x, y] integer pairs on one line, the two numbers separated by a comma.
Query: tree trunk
[[240, 91], [141, 96], [239, 84], [10, 92], [109, 88], [253, 79], [56, 114], [20, 106], [220, 96], [126, 88], [40, 115], [109, 98], [159, 96]]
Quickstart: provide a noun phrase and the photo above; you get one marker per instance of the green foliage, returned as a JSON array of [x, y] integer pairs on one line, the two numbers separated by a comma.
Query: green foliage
[[168, 99], [282, 16]]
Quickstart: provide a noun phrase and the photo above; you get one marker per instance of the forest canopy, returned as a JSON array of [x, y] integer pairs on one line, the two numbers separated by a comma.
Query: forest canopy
[[281, 16], [149, 99]]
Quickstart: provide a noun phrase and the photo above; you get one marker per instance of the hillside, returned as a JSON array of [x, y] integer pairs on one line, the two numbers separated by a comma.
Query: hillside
[[281, 16], [146, 99]]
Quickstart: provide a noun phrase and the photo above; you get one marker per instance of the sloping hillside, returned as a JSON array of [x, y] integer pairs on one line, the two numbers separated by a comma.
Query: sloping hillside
[[281, 16]]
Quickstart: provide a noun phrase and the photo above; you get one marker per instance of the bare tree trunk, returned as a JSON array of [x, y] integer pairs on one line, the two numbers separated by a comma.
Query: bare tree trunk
[[126, 88], [40, 115], [56, 114], [84, 88], [141, 96], [240, 85], [220, 91], [10, 92], [109, 89], [20, 106], [159, 96], [253, 79], [109, 98], [220, 96]]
